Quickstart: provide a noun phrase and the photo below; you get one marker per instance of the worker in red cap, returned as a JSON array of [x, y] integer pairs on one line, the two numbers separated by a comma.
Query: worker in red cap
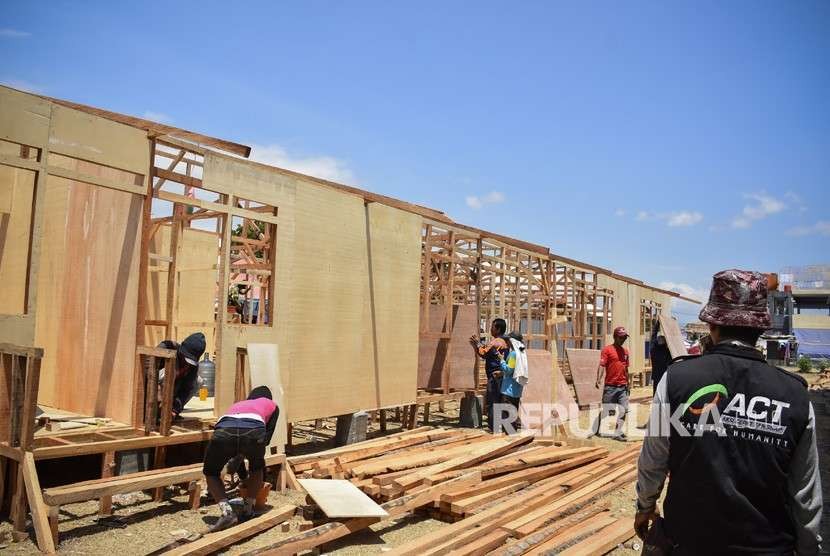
[[613, 363]]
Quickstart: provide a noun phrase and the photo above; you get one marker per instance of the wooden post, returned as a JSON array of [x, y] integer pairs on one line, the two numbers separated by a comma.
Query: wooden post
[[426, 413], [107, 469], [54, 513], [151, 397], [382, 420], [167, 396], [195, 498], [40, 513]]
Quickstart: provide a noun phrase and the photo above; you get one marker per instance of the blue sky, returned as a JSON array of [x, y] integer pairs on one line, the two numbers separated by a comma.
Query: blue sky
[[664, 140]]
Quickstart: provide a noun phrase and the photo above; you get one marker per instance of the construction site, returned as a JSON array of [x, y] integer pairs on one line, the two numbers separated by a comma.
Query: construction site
[[355, 309]]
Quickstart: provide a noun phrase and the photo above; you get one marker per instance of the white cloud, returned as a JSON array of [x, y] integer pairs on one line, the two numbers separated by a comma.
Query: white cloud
[[683, 218], [8, 33], [679, 218], [23, 85], [493, 198], [325, 167], [619, 212], [761, 205], [159, 117], [822, 227]]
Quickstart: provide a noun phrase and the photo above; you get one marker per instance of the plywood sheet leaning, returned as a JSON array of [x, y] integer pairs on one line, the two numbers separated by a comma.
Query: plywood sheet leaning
[[674, 339], [340, 498], [394, 238], [87, 297], [432, 352], [583, 364], [537, 395], [264, 368]]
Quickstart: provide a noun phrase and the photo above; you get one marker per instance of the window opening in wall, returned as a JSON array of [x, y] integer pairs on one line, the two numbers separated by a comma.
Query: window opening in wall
[[251, 266]]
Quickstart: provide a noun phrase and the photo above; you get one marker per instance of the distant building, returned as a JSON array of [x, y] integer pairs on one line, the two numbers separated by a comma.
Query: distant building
[[801, 308]]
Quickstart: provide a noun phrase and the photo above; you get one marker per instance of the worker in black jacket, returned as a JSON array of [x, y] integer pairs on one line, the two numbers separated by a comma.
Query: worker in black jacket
[[736, 437], [186, 383]]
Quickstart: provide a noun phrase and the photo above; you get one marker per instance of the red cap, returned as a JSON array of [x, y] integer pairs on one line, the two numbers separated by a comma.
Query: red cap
[[620, 331]]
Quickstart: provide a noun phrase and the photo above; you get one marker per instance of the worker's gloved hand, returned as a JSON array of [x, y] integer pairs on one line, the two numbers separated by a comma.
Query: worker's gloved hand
[[643, 520]]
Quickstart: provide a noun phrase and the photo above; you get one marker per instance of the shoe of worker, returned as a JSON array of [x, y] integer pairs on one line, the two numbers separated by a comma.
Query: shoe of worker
[[225, 520], [242, 507]]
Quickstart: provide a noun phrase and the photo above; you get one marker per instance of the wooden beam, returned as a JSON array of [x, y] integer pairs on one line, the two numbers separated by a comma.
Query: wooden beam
[[213, 542], [21, 350], [40, 513], [155, 128]]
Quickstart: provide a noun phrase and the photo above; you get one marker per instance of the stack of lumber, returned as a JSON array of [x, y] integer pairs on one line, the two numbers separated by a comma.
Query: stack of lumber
[[509, 494], [822, 382]]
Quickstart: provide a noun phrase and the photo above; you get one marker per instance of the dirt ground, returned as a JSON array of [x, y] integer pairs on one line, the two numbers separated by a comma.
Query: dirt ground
[[140, 526]]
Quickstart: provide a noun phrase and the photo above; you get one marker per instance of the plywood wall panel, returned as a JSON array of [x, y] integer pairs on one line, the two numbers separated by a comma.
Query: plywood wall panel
[[15, 233], [87, 298], [87, 137], [255, 182], [463, 368], [24, 118], [395, 262], [331, 343]]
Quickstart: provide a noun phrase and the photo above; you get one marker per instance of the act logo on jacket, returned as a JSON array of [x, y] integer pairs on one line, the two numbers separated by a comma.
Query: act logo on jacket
[[752, 418]]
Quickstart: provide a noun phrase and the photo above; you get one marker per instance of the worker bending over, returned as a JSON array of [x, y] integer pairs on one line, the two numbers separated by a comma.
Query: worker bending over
[[245, 430], [736, 438], [186, 383]]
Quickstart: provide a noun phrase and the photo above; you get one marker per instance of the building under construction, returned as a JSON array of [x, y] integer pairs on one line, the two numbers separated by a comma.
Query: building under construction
[[117, 232]]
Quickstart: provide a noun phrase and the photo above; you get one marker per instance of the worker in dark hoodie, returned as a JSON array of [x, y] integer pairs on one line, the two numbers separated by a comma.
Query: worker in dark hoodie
[[245, 430], [188, 354]]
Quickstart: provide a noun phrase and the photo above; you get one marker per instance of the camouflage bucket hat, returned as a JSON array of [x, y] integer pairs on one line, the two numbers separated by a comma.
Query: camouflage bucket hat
[[738, 298]]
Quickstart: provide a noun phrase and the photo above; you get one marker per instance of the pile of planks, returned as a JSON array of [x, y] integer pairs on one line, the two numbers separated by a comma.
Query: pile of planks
[[531, 493], [822, 382]]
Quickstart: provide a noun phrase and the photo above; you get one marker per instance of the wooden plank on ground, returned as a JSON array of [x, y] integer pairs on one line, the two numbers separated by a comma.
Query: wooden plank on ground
[[40, 513], [604, 540], [541, 536], [212, 542], [586, 527], [482, 453], [583, 364], [307, 540], [340, 498]]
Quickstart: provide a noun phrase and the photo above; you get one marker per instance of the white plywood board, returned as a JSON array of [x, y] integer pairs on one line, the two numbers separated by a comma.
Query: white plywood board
[[340, 498], [264, 368]]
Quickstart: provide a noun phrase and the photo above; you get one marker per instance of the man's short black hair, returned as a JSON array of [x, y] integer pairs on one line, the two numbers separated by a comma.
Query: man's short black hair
[[260, 392], [742, 333], [500, 326]]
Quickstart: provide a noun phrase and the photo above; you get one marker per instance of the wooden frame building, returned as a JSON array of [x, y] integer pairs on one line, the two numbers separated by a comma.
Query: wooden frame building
[[116, 232]]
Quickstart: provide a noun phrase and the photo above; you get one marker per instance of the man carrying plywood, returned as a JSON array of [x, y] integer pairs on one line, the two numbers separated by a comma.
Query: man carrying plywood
[[245, 430]]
